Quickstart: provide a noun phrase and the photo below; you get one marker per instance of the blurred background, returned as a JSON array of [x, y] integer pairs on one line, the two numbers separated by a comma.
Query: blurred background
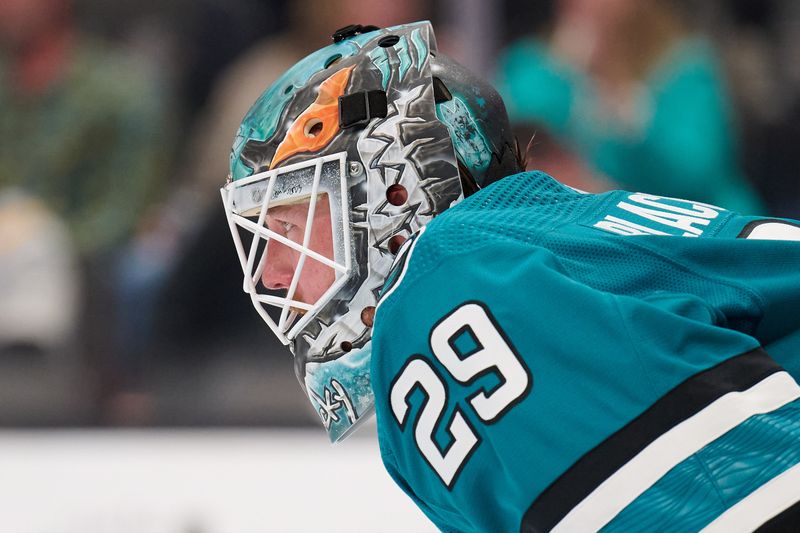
[[120, 293]]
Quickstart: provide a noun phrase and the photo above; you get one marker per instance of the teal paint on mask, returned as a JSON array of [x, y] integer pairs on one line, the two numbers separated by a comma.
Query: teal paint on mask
[[468, 139], [341, 390], [380, 58], [405, 56], [262, 119], [421, 46]]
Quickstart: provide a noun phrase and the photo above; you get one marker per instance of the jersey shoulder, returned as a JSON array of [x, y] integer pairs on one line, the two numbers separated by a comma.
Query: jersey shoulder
[[495, 323], [473, 348], [519, 208]]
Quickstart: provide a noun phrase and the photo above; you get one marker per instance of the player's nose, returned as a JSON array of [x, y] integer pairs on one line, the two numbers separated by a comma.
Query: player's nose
[[278, 268]]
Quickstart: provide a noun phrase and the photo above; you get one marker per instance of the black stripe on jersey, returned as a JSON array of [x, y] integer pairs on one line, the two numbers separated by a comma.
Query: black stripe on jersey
[[789, 520], [748, 229], [681, 403]]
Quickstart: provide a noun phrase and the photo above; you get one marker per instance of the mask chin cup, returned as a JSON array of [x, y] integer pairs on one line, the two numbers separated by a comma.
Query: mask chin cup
[[341, 393]]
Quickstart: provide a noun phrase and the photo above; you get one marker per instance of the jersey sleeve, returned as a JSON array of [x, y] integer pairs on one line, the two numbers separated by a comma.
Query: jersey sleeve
[[745, 268], [752, 268], [480, 418]]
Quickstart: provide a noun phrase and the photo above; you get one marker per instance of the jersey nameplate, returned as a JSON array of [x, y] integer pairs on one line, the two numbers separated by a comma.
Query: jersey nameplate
[[646, 214]]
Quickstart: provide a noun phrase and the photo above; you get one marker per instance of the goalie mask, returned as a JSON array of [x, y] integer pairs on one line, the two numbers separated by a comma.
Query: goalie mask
[[349, 153]]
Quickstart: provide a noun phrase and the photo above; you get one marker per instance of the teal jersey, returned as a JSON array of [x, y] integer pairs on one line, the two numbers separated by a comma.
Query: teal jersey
[[546, 360]]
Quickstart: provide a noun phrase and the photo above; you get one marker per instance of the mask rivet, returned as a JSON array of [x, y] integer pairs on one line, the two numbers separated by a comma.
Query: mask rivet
[[355, 168], [395, 243]]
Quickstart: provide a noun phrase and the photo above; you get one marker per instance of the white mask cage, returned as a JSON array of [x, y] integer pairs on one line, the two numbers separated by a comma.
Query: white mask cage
[[247, 202]]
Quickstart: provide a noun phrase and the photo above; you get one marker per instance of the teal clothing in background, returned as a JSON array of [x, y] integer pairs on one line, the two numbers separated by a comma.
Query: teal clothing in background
[[682, 142], [544, 358]]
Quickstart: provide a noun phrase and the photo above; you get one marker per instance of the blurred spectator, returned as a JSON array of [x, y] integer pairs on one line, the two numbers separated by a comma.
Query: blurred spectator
[[84, 133], [190, 41], [636, 95], [38, 279], [82, 127]]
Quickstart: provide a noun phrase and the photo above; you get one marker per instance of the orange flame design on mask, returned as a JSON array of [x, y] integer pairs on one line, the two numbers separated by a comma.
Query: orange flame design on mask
[[317, 125]]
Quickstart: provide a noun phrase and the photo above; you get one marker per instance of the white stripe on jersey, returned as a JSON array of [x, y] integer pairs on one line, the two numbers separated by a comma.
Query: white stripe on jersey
[[763, 504], [675, 446]]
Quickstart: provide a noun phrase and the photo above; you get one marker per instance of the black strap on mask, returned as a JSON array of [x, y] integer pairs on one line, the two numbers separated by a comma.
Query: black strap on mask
[[357, 109], [352, 30]]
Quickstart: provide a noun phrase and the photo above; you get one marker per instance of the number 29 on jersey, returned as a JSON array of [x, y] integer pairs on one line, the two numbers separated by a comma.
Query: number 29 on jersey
[[492, 353]]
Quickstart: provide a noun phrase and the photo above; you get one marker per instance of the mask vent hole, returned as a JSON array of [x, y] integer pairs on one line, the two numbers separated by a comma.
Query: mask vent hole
[[395, 243], [388, 41], [368, 316], [333, 60], [346, 346], [397, 194], [313, 128], [440, 91]]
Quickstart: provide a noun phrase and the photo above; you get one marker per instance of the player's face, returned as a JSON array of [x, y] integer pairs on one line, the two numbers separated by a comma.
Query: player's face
[[281, 261]]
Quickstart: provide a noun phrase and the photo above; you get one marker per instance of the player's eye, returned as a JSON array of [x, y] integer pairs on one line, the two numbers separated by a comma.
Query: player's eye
[[287, 226]]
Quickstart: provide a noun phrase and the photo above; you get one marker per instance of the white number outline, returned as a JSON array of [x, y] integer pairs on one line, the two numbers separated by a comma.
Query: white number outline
[[750, 231], [482, 396], [449, 463]]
